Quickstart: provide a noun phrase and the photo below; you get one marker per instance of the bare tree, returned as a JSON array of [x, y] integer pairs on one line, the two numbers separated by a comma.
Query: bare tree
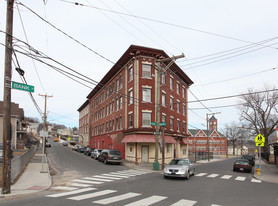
[[233, 133], [259, 110]]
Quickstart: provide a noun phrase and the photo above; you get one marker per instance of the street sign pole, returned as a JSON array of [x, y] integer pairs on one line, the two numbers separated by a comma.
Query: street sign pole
[[260, 157]]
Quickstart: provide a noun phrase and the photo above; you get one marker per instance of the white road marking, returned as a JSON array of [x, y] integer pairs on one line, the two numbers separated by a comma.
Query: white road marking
[[213, 175], [87, 181], [112, 178], [80, 185], [184, 202], [110, 200], [226, 177], [120, 176], [256, 181], [91, 195], [71, 192], [201, 174], [64, 188], [239, 178], [97, 179], [147, 201]]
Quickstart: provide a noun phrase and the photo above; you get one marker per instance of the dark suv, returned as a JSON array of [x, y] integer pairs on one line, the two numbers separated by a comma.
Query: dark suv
[[249, 158], [110, 156]]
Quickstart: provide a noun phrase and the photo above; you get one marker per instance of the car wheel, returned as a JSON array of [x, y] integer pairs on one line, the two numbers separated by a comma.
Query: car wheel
[[166, 177], [188, 175], [105, 161]]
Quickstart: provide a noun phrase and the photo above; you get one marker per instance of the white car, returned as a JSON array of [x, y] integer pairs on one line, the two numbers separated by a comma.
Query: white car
[[179, 168]]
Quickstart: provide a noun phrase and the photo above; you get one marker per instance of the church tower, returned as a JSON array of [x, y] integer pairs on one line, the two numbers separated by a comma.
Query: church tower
[[213, 123]]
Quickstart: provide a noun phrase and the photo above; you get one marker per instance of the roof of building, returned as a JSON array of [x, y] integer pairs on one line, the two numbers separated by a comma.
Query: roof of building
[[212, 118], [83, 105], [15, 110], [130, 53], [194, 132]]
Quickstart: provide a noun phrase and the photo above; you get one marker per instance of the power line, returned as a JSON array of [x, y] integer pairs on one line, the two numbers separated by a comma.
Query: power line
[[162, 22], [66, 34]]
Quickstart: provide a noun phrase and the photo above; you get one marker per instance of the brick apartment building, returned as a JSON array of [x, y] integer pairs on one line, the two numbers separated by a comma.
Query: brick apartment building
[[84, 128], [122, 107], [198, 139]]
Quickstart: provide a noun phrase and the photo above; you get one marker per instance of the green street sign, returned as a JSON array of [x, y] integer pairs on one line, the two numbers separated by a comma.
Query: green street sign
[[153, 123], [162, 124], [23, 87]]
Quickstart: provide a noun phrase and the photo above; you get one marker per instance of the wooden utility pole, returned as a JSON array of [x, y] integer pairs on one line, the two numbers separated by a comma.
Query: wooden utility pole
[[6, 171], [44, 128]]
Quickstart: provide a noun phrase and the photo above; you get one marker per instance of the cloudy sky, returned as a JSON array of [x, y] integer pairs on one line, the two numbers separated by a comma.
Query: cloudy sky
[[230, 46]]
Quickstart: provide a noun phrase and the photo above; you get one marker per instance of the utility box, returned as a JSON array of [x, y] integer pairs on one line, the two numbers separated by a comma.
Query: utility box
[[156, 166]]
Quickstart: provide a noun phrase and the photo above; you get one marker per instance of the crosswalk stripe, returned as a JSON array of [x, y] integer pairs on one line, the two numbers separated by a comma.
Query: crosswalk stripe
[[213, 175], [80, 185], [64, 188], [97, 179], [147, 201], [255, 180], [117, 198], [87, 181], [184, 202], [91, 195], [112, 178], [201, 174], [71, 192], [120, 176], [239, 178], [226, 177]]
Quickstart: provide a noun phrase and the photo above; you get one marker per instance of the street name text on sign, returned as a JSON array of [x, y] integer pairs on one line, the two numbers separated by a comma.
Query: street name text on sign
[[23, 87]]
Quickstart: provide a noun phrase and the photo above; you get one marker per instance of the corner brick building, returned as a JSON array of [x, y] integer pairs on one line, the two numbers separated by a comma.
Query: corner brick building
[[122, 107]]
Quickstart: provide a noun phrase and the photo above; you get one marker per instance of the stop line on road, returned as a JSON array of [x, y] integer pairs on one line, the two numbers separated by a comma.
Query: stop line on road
[[226, 177]]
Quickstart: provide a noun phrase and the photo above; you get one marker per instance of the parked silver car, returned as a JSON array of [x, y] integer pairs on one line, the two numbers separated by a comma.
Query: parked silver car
[[179, 168], [95, 153]]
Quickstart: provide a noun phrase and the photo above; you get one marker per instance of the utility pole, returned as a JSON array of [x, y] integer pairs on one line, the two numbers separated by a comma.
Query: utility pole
[[6, 171], [208, 132], [157, 101], [44, 128]]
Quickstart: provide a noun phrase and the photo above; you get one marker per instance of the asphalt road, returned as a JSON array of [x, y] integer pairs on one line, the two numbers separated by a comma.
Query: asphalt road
[[214, 184]]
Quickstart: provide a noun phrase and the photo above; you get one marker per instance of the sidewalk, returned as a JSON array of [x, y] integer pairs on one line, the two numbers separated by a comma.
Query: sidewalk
[[269, 172], [32, 179]]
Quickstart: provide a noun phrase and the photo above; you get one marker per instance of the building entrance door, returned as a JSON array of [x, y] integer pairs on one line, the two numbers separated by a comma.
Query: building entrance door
[[145, 154]]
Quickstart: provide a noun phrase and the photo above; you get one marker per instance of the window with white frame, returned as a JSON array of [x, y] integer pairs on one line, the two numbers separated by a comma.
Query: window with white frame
[[146, 118], [121, 102], [130, 120], [130, 96], [117, 124], [183, 109], [117, 85], [121, 123], [117, 104], [121, 82], [171, 123], [163, 99], [130, 74], [146, 93], [178, 106], [171, 83], [178, 125], [163, 78], [178, 88], [163, 118], [146, 71], [183, 127], [171, 103], [183, 92]]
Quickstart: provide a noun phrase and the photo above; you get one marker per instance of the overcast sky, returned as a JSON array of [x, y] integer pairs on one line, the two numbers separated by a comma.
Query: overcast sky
[[229, 46]]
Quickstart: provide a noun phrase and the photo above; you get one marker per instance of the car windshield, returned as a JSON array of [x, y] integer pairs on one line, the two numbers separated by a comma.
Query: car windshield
[[113, 152], [179, 162]]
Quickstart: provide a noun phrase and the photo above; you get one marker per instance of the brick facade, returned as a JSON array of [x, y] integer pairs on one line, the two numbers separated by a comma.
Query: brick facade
[[122, 106]]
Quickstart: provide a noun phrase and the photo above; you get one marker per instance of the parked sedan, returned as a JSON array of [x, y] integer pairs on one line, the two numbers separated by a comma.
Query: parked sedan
[[88, 151], [65, 143], [47, 144], [81, 149], [242, 165], [95, 153], [179, 168], [75, 147], [110, 156]]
